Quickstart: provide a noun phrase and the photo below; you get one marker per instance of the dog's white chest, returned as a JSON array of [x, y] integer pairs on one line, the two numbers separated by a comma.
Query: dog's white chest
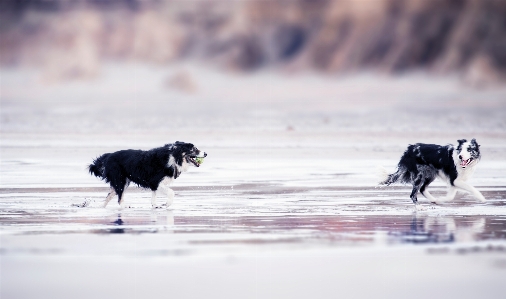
[[465, 173]]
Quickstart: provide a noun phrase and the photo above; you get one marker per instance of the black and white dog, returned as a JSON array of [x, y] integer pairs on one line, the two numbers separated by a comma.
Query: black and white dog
[[154, 169], [422, 163]]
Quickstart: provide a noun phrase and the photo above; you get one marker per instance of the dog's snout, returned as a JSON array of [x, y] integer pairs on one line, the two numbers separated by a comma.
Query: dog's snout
[[460, 157], [205, 154]]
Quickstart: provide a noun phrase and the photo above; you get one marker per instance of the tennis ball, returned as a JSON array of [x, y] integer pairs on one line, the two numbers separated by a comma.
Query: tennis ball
[[199, 160]]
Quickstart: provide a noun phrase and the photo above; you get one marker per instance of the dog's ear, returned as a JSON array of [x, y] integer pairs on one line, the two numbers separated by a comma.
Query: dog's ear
[[186, 146], [177, 153], [461, 142], [473, 142]]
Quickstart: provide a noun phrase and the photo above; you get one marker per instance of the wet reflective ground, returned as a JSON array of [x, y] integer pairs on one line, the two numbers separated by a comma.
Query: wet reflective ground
[[284, 206], [262, 228], [348, 217], [253, 241]]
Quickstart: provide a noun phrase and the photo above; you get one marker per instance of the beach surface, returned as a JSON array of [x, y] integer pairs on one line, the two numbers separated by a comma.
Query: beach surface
[[286, 205]]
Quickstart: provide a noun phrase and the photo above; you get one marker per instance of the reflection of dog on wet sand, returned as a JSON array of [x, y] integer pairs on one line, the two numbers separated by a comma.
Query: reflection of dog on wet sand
[[458, 231], [422, 163], [154, 169]]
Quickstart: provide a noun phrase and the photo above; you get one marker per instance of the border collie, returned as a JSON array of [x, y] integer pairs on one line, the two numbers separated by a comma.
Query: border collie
[[422, 163], [154, 169]]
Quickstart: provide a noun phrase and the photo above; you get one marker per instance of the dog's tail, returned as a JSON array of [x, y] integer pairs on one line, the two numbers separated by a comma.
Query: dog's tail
[[387, 179], [97, 168]]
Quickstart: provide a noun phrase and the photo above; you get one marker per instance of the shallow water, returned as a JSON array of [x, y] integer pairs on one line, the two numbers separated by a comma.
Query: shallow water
[[303, 222], [284, 206], [259, 213], [227, 244], [245, 222]]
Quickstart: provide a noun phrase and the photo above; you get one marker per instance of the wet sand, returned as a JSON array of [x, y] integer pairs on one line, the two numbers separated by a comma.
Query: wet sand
[[249, 230], [284, 206]]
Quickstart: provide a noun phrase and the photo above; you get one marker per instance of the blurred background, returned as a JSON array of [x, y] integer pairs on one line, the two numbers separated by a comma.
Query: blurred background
[[72, 39], [382, 66], [295, 101]]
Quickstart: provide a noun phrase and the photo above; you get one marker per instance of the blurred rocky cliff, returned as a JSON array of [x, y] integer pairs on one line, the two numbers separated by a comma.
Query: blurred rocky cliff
[[72, 38]]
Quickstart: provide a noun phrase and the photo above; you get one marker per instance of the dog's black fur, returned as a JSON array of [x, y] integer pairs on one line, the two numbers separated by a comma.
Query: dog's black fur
[[422, 163], [144, 168]]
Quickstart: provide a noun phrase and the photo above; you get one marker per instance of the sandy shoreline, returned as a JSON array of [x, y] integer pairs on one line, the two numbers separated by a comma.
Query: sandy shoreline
[[285, 205], [262, 228]]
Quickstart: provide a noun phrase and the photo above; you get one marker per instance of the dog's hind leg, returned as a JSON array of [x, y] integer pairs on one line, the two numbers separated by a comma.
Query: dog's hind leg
[[153, 200], [429, 196], [119, 185], [413, 194], [417, 184], [426, 192], [450, 195], [121, 201], [109, 197]]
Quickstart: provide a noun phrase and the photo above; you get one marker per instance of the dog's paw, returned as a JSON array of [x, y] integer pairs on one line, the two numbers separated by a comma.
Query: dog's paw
[[85, 204], [166, 206]]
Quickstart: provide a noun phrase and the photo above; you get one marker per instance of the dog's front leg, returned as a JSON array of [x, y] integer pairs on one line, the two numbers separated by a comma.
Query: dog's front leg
[[164, 187], [169, 193], [465, 186], [170, 197]]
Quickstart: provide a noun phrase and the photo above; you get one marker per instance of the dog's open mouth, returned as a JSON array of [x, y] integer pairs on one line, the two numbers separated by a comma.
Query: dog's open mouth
[[465, 163], [195, 160]]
